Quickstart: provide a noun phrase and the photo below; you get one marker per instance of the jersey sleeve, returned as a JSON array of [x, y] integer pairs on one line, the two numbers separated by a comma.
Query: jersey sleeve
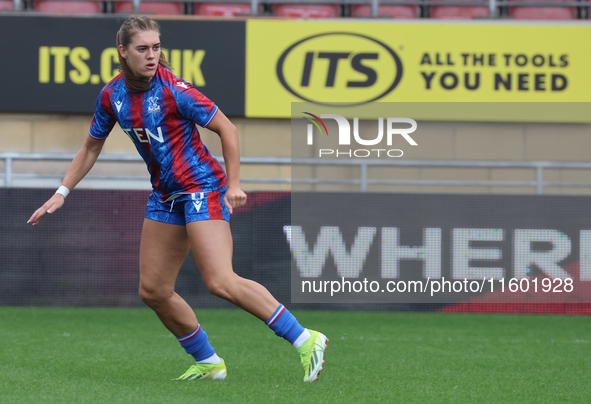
[[104, 117], [192, 104]]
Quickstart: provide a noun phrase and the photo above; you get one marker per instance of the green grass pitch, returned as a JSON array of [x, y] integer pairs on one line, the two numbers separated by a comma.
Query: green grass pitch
[[66, 355]]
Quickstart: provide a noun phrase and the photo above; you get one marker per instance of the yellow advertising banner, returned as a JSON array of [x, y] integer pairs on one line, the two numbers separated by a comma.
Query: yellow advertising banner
[[328, 62]]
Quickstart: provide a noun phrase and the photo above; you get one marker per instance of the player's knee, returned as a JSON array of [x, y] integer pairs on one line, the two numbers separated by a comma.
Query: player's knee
[[218, 288], [154, 297]]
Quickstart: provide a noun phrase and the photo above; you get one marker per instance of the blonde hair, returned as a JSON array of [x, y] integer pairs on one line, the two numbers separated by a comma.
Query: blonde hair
[[124, 37]]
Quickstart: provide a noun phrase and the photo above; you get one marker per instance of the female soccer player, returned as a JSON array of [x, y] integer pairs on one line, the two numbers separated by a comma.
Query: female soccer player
[[191, 201]]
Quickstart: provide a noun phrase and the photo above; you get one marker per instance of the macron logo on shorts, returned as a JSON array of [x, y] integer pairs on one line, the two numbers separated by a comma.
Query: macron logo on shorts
[[198, 203]]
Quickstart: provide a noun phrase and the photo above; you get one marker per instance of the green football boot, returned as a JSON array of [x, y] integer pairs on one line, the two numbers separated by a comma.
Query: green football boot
[[215, 371], [312, 355]]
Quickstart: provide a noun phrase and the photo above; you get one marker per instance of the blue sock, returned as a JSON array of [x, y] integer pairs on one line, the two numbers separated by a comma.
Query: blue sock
[[197, 344], [285, 324]]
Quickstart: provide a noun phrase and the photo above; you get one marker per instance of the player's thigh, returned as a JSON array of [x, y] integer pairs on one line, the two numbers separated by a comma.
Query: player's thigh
[[163, 250], [211, 243]]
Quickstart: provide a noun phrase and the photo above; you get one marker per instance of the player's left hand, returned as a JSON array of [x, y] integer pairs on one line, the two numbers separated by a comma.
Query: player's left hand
[[235, 198]]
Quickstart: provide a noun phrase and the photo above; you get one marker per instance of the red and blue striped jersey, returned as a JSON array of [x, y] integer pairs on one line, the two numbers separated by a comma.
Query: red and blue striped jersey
[[161, 124]]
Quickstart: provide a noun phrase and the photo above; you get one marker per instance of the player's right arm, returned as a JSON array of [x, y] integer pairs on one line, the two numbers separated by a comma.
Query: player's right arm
[[102, 123], [81, 165]]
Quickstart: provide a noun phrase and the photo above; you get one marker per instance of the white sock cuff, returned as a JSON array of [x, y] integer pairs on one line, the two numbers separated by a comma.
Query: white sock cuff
[[302, 338], [213, 359]]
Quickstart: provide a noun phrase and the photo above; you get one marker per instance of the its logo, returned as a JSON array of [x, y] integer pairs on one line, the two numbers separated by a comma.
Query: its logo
[[153, 105], [182, 84], [344, 137], [118, 105], [357, 69]]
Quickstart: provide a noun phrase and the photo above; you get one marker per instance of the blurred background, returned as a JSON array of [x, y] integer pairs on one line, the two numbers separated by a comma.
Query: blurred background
[[522, 155]]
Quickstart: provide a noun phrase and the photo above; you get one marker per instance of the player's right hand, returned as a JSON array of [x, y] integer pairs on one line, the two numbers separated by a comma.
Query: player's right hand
[[53, 204]]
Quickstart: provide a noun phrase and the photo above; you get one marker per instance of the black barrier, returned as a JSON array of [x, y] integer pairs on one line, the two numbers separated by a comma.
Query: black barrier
[[440, 248], [86, 254], [59, 64]]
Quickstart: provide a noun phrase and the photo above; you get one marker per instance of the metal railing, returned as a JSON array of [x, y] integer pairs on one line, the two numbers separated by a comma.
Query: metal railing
[[363, 181]]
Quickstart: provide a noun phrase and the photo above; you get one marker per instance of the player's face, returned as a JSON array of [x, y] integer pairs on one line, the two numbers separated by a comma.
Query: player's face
[[143, 53]]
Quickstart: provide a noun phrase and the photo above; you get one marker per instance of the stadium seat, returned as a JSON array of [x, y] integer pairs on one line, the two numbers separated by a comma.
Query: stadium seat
[[149, 7], [224, 9], [458, 12], [68, 7], [302, 10], [542, 13], [6, 5], [364, 10]]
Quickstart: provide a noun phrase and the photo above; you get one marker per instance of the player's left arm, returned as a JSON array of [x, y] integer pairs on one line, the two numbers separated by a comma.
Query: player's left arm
[[228, 134]]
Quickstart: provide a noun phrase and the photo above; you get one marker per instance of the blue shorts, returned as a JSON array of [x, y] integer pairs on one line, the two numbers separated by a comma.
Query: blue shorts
[[189, 208]]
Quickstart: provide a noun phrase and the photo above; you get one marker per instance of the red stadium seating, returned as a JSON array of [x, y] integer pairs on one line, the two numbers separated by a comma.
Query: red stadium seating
[[68, 7], [458, 12], [307, 10], [6, 5], [364, 10], [148, 7], [542, 13], [223, 9]]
